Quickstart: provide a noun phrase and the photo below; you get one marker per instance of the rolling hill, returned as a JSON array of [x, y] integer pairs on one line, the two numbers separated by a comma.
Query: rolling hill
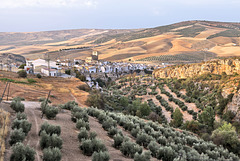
[[143, 45]]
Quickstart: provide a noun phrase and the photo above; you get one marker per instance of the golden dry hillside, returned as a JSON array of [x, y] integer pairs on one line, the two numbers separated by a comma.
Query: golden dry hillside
[[205, 38], [32, 88]]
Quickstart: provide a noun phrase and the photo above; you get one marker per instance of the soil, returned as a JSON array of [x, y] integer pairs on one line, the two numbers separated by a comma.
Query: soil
[[62, 89], [69, 133], [191, 106], [186, 115]]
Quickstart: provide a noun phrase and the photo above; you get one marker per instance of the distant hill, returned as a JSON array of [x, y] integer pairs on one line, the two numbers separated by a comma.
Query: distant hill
[[213, 38]]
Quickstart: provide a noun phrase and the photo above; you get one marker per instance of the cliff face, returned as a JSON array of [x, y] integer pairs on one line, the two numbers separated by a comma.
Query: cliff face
[[234, 105], [230, 66]]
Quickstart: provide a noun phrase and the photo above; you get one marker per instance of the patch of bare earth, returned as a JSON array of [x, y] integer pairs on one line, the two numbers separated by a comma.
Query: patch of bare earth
[[115, 154], [191, 106], [186, 115], [166, 113]]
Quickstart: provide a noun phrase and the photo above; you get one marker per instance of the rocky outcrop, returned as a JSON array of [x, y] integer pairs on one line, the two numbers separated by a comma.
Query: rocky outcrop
[[234, 105], [9, 58], [229, 66]]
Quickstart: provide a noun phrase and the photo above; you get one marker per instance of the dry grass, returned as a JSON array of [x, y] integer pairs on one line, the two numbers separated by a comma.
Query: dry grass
[[113, 50], [62, 89], [4, 121]]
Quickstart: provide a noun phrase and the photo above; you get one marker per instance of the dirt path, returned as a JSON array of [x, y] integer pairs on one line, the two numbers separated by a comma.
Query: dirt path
[[34, 116], [70, 150], [115, 154], [191, 106]]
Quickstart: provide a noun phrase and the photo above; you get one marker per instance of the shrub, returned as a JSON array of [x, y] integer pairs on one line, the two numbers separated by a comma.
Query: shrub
[[84, 87], [166, 153], [143, 139], [50, 129], [21, 66], [69, 105], [50, 141], [51, 112], [21, 116], [52, 154], [145, 156], [87, 147], [118, 140], [24, 124], [83, 134], [109, 123], [92, 135], [79, 115], [100, 156], [112, 131], [129, 149], [90, 146], [22, 73], [153, 147], [177, 118], [17, 135], [39, 76], [135, 131], [30, 80], [81, 123], [21, 152], [17, 106], [18, 99]]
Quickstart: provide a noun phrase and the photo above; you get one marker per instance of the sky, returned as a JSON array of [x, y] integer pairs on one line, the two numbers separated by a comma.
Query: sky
[[47, 15]]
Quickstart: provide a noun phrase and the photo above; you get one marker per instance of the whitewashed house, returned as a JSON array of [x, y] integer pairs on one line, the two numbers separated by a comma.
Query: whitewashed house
[[36, 65], [92, 69], [53, 72]]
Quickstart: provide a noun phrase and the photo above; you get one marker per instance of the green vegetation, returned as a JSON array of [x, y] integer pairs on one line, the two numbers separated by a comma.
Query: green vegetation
[[204, 91], [22, 73], [227, 33], [100, 156], [39, 76], [226, 135], [30, 80], [17, 106], [50, 142], [50, 129], [52, 154], [22, 66], [21, 152], [181, 58], [17, 135], [50, 111], [13, 81], [177, 118], [22, 124], [164, 143], [191, 31], [150, 32]]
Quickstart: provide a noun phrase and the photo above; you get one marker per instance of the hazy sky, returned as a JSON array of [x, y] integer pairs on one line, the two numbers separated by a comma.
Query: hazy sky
[[44, 15]]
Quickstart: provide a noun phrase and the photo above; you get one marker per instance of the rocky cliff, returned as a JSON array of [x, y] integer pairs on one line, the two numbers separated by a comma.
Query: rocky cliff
[[229, 66]]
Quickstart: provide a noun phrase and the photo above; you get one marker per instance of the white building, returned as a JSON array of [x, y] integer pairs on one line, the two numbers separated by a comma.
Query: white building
[[53, 72], [38, 64]]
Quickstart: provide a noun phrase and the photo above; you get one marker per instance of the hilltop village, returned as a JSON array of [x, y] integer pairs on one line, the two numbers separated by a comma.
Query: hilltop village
[[89, 69]]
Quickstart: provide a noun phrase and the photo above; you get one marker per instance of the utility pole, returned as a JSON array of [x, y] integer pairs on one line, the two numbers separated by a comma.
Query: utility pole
[[4, 92], [48, 60], [8, 90], [46, 103], [1, 64]]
